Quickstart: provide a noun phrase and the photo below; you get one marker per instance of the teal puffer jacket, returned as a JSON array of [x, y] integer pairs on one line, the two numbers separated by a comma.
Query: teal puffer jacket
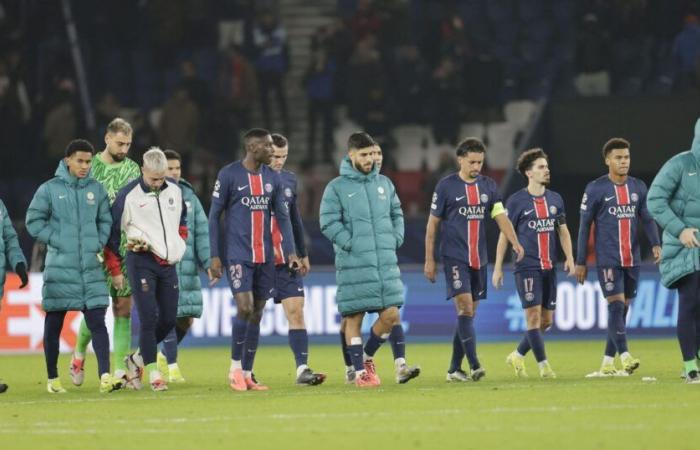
[[9, 246], [73, 218], [674, 202], [196, 255], [361, 215]]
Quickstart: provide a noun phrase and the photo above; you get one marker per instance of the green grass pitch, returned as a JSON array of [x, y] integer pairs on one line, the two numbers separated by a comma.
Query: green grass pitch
[[427, 413]]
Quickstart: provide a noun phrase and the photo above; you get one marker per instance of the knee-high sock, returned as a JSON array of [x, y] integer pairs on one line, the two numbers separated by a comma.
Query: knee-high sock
[[537, 344], [465, 325], [355, 353], [238, 336], [344, 349], [122, 341], [169, 346], [373, 343], [252, 337], [299, 343], [397, 339], [53, 323], [84, 337], [524, 345], [457, 352], [616, 326]]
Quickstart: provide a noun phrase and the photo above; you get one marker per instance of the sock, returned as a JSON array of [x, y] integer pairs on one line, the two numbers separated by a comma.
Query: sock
[[122, 341], [344, 348], [301, 368], [610, 349], [397, 339], [84, 337], [173, 366], [616, 326], [169, 347], [95, 321], [299, 342], [180, 333], [373, 344], [690, 366], [467, 336], [608, 360], [238, 334], [523, 346], [355, 352], [537, 344], [457, 353], [235, 364], [247, 373], [252, 336], [53, 323], [542, 363]]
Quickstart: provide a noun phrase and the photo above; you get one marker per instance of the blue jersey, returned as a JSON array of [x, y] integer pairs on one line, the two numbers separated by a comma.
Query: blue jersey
[[248, 200], [463, 208], [616, 210], [536, 220], [288, 181]]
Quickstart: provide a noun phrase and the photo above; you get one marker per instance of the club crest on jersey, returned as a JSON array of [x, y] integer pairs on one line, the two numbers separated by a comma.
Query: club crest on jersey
[[484, 198], [288, 192], [609, 286], [635, 197], [90, 198], [457, 284], [529, 296], [268, 187], [380, 190]]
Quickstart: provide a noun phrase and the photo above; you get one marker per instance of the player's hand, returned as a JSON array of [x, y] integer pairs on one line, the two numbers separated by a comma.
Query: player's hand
[[305, 266], [519, 251], [215, 270], [118, 282], [429, 270], [294, 263], [212, 279], [656, 250], [21, 271], [688, 238], [497, 278], [570, 267], [581, 274]]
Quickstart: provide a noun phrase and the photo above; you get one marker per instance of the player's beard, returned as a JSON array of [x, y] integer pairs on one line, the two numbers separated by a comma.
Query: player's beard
[[117, 157]]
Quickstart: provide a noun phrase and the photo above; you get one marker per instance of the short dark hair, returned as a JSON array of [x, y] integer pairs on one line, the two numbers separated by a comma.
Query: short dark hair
[[614, 144], [470, 145], [360, 139], [528, 157], [255, 133], [79, 145], [279, 141], [172, 154]]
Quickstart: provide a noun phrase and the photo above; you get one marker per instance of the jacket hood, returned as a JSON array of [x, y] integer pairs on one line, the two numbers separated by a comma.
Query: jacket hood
[[64, 174], [695, 148], [185, 183], [349, 171]]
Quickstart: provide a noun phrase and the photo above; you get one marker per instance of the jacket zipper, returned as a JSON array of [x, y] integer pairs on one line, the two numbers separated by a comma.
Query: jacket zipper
[[80, 240], [162, 224]]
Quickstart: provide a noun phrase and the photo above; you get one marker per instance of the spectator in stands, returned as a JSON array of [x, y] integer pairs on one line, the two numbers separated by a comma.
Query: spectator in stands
[[366, 80], [180, 122], [592, 58], [686, 51], [366, 20], [411, 84], [271, 63], [445, 106], [319, 82], [197, 88]]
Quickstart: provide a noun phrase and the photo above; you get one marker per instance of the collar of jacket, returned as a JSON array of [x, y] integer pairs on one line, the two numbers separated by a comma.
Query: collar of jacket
[[185, 183], [695, 148], [348, 170], [147, 188], [64, 174]]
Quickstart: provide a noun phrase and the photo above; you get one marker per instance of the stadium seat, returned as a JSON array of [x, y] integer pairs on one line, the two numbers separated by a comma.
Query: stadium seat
[[501, 139], [518, 112], [409, 185], [472, 129], [411, 143]]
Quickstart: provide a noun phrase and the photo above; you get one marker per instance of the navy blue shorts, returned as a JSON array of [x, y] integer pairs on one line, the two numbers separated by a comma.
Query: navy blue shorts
[[462, 279], [618, 280], [537, 287], [288, 284], [244, 276]]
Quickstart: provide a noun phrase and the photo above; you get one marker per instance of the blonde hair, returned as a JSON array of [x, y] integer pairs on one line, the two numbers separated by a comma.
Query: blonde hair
[[119, 125], [154, 160]]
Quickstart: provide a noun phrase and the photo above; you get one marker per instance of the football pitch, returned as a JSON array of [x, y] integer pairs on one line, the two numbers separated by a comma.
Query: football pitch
[[499, 411]]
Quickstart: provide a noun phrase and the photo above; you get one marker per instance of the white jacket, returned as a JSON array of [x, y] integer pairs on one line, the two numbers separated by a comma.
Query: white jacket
[[159, 219]]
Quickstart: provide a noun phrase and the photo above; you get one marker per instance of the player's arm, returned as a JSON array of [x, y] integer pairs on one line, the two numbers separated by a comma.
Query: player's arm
[[200, 236], [659, 198], [429, 270], [501, 247], [38, 218], [587, 215], [281, 212], [650, 229], [120, 217], [219, 200], [498, 213], [104, 217], [566, 245], [397, 217], [299, 234], [331, 219]]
